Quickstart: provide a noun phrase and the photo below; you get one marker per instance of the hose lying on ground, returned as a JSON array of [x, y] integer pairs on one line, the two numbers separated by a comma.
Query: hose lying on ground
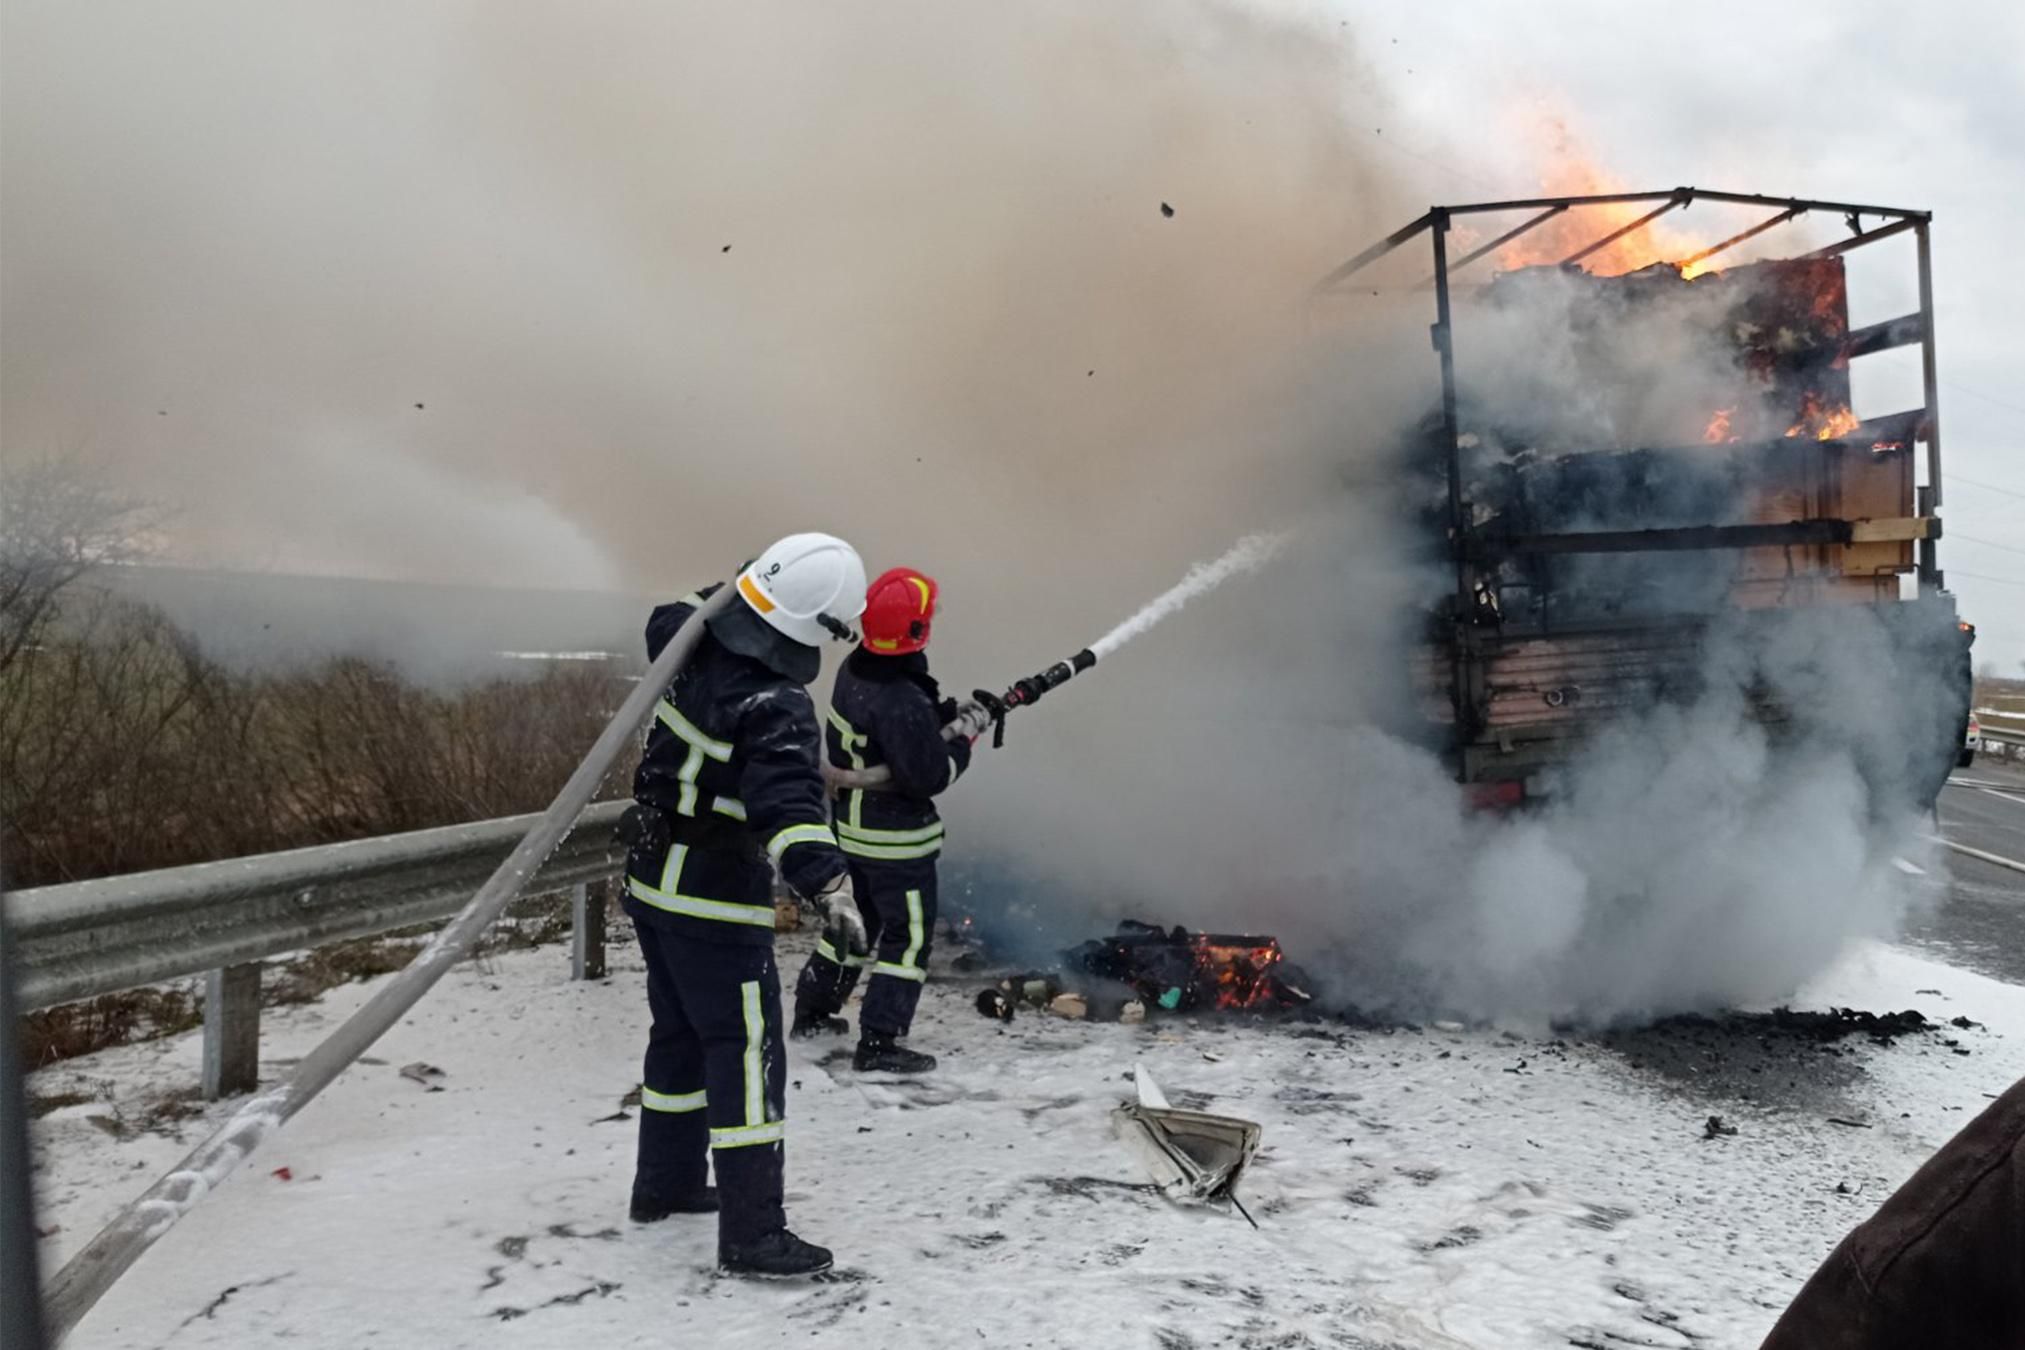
[[86, 1276]]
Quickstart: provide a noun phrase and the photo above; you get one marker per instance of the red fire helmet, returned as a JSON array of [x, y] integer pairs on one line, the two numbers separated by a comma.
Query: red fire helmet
[[899, 607]]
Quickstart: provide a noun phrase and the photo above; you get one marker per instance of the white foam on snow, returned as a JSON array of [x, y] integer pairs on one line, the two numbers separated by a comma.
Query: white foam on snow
[[1411, 1190]]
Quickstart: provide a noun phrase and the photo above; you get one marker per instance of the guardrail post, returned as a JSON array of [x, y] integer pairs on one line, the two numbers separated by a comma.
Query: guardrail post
[[231, 1031], [587, 931]]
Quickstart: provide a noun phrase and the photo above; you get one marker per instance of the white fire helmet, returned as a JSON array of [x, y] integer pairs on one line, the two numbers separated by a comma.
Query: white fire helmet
[[808, 587]]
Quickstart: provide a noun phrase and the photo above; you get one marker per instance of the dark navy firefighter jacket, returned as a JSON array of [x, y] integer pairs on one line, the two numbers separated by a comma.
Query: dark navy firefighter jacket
[[731, 763], [887, 710]]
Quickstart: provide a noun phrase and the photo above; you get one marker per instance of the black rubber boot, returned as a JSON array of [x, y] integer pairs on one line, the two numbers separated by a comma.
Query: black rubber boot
[[877, 1053], [779, 1255], [805, 1027], [653, 1211]]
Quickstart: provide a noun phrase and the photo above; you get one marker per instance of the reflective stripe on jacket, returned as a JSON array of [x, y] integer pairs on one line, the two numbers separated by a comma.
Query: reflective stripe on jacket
[[733, 743], [884, 710]]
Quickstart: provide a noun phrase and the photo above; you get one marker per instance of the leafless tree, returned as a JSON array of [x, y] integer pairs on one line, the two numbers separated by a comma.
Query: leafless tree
[[123, 747], [59, 517]]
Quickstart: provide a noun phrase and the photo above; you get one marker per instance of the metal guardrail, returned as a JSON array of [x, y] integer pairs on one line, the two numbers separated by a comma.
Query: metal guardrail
[[150, 1216], [98, 937], [221, 919]]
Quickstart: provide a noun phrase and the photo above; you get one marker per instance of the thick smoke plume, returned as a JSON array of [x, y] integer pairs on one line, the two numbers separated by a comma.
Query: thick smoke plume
[[536, 296], [1693, 855]]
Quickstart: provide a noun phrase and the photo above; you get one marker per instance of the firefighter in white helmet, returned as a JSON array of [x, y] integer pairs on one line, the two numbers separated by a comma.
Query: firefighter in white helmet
[[729, 787]]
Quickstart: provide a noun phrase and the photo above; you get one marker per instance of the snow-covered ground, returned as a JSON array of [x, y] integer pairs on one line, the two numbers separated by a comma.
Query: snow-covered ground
[[1415, 1189]]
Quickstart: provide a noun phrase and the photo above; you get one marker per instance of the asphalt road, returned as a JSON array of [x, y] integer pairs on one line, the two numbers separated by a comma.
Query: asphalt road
[[1978, 915]]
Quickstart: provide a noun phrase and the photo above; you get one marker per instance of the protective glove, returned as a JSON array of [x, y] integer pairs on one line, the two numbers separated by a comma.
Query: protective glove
[[971, 721], [843, 925]]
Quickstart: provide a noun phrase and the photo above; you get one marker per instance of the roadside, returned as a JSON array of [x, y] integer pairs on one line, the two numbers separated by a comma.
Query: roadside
[[1417, 1188], [1973, 913]]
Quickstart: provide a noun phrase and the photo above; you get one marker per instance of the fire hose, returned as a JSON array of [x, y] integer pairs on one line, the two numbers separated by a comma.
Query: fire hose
[[1019, 695], [137, 1227]]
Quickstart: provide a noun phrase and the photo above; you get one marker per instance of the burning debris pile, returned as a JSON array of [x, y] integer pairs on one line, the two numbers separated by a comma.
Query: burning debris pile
[[1662, 402], [1179, 971], [1143, 968], [1753, 354]]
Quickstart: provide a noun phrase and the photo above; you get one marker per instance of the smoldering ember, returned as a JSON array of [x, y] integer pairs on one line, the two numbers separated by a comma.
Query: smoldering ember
[[1142, 968], [1154, 674]]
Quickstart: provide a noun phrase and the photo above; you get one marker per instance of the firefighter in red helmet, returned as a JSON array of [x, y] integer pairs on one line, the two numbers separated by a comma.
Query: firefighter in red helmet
[[886, 710]]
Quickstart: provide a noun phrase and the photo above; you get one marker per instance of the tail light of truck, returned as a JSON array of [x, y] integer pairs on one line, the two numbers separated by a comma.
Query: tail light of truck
[[1494, 796]]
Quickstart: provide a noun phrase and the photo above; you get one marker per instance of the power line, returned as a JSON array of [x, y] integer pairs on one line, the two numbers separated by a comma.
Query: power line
[[1986, 543], [1978, 576], [1987, 487], [1987, 398]]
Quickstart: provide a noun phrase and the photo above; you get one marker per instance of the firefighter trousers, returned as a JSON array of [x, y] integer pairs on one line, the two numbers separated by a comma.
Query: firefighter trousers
[[897, 900], [715, 1078]]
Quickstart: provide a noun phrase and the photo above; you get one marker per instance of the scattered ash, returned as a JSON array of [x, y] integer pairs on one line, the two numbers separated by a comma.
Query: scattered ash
[[209, 1311], [602, 1289], [1463, 1235], [1602, 1218], [1092, 1188], [1783, 1057], [979, 1241]]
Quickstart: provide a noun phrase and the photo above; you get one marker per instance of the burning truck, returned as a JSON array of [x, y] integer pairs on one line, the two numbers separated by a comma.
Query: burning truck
[[1627, 469]]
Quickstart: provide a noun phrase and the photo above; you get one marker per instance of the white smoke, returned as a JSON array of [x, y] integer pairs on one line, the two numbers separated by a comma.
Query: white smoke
[[614, 297], [1246, 555], [1261, 766]]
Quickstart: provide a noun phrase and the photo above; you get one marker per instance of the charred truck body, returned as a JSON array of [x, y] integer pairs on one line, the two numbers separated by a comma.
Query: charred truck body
[[1628, 472]]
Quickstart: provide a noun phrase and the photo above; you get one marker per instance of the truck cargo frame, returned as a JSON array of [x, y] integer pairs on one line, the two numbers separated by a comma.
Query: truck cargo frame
[[1473, 549]]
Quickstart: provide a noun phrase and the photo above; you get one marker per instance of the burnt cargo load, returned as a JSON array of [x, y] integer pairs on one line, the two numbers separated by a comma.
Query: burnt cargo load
[[1627, 473]]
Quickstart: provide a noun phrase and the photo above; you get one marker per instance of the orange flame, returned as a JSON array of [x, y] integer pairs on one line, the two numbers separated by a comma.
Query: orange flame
[[1239, 973], [1718, 429], [1573, 172], [1821, 422]]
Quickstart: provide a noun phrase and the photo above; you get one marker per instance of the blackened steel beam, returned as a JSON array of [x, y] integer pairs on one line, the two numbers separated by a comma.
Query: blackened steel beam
[[1694, 537], [1868, 237], [1507, 237], [1464, 672], [1623, 230], [1713, 249], [1807, 204], [1879, 337], [1376, 251], [1536, 203], [1692, 194], [1444, 347], [1904, 217], [1929, 370]]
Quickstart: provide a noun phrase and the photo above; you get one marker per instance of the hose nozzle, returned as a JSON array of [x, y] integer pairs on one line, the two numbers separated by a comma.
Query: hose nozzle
[[1032, 687]]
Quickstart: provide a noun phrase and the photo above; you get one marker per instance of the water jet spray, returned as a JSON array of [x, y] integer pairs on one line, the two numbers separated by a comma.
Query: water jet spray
[[1249, 553]]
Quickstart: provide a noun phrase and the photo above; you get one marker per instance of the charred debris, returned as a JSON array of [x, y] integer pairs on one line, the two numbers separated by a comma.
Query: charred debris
[[1143, 972], [1143, 969]]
